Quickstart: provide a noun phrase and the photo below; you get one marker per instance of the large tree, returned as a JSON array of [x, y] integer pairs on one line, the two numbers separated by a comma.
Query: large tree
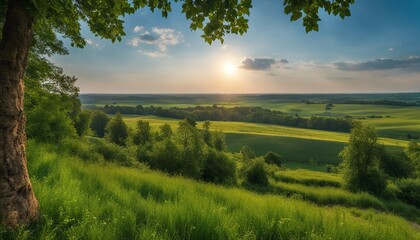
[[22, 21]]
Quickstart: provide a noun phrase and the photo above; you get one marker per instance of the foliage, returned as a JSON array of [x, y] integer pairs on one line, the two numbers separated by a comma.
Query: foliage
[[409, 190], [219, 168], [116, 130], [238, 114], [51, 101], [91, 201], [112, 152], [361, 161], [143, 134], [82, 122], [165, 156], [219, 141], [48, 123], [395, 164], [99, 122], [255, 172], [413, 152], [247, 153], [273, 158]]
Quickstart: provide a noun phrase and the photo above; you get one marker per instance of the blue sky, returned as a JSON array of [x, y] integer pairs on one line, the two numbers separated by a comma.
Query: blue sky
[[377, 49]]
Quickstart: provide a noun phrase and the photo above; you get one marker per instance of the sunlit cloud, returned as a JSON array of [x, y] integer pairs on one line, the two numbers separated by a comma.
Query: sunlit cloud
[[91, 42], [138, 29], [161, 38], [410, 63]]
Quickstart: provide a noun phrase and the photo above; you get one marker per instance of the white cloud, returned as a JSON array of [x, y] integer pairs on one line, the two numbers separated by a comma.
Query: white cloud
[[91, 42], [391, 49], [138, 29], [161, 38], [134, 42]]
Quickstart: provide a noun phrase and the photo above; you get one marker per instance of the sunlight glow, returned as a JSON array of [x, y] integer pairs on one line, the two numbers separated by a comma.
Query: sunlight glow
[[230, 69]]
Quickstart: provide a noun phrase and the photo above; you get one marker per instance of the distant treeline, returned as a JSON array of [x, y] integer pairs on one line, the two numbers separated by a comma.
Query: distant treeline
[[238, 114], [380, 102]]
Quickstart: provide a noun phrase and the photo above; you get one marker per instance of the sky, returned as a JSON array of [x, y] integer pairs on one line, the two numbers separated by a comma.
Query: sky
[[377, 49]]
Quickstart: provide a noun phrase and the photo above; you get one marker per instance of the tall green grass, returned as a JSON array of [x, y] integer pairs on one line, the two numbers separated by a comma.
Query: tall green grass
[[81, 200]]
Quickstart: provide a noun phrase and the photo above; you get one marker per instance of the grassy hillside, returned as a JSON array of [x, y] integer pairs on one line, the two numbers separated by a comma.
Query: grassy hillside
[[101, 201]]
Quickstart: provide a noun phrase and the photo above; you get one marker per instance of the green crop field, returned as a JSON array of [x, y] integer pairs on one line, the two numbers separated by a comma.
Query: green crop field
[[297, 145], [396, 122], [86, 200]]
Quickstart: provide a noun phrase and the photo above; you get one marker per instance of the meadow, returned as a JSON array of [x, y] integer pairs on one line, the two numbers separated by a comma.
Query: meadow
[[298, 146], [396, 122], [84, 200]]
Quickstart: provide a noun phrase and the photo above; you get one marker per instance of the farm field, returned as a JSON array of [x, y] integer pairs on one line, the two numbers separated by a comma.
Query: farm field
[[298, 146], [82, 200], [395, 122]]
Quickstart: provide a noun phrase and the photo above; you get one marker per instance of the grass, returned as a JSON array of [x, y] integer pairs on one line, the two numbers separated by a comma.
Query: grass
[[298, 146], [260, 129], [102, 201], [310, 178], [402, 120]]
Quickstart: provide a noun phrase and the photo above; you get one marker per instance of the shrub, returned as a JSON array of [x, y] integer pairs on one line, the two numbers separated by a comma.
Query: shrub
[[99, 122], [82, 122], [409, 190], [247, 153], [47, 123], [361, 161], [112, 152], [273, 158], [255, 172], [117, 131], [218, 168], [396, 164], [164, 155]]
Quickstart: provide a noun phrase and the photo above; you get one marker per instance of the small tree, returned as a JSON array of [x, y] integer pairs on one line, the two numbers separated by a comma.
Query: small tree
[[218, 168], [116, 130], [273, 158], [82, 122], [219, 141], [255, 172], [98, 123], [143, 133], [413, 153], [207, 134], [247, 153], [361, 161]]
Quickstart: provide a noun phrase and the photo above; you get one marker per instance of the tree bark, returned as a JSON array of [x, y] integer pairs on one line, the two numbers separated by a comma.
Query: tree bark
[[18, 204]]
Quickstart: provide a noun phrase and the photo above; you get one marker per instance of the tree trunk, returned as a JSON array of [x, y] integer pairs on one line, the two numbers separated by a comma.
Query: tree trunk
[[17, 201]]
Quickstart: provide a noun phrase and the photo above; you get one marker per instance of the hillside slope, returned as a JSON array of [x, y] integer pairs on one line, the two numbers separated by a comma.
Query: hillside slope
[[82, 200]]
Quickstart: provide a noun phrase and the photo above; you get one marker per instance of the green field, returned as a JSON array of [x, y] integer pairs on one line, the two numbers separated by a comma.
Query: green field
[[402, 120], [89, 200], [296, 145]]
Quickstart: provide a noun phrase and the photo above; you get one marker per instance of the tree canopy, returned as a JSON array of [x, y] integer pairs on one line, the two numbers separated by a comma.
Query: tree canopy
[[214, 18]]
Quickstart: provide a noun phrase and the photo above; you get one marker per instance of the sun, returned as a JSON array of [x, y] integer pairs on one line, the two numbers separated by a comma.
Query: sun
[[230, 69]]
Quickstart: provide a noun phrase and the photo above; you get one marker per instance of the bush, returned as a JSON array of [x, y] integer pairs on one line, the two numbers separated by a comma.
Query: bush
[[117, 131], [361, 161], [396, 164], [218, 168], [164, 155], [112, 152], [247, 153], [409, 191], [47, 123], [82, 122], [273, 158], [99, 122], [255, 172]]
